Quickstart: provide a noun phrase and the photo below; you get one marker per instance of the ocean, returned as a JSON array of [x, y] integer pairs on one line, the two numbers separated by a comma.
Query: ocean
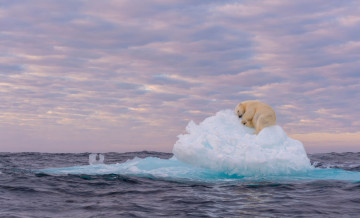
[[37, 185]]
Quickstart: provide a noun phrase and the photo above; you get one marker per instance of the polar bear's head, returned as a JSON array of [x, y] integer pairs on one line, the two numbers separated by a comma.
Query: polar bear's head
[[240, 110]]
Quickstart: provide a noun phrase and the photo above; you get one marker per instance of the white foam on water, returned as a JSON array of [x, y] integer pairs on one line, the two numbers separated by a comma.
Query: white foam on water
[[221, 143]]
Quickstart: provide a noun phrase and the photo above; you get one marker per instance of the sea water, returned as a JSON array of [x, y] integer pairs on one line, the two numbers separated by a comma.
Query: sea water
[[27, 192]]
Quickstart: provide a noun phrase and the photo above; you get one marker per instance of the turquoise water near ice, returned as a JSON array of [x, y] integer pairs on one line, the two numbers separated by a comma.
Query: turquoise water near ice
[[173, 169]]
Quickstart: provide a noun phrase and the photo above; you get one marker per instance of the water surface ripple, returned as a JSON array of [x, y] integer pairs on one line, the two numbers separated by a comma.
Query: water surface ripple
[[24, 193]]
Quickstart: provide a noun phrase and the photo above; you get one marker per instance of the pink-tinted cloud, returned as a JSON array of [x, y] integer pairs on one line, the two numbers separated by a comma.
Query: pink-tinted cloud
[[129, 75]]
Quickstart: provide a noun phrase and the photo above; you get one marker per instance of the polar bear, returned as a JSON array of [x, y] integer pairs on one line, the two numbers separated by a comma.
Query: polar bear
[[256, 114]]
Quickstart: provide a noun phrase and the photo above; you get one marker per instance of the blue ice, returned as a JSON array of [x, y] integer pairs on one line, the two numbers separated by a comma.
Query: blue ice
[[221, 149]]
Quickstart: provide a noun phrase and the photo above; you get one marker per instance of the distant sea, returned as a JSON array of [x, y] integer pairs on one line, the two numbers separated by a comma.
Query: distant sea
[[26, 192]]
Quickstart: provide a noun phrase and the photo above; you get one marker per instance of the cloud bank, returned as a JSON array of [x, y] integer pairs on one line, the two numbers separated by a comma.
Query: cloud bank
[[129, 75]]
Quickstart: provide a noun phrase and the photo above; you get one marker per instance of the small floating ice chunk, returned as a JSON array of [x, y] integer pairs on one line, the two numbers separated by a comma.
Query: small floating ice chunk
[[96, 159]]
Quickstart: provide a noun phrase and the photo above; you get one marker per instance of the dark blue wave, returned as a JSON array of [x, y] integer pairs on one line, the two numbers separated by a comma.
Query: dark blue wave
[[24, 193]]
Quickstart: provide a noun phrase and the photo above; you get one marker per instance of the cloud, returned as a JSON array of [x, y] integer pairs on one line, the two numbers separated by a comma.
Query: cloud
[[125, 71]]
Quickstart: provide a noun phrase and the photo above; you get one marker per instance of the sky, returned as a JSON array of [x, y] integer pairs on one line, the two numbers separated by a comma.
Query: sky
[[128, 75]]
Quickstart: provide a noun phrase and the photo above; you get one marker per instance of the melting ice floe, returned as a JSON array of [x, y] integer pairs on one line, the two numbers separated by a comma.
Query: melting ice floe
[[96, 159], [222, 143], [221, 148]]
